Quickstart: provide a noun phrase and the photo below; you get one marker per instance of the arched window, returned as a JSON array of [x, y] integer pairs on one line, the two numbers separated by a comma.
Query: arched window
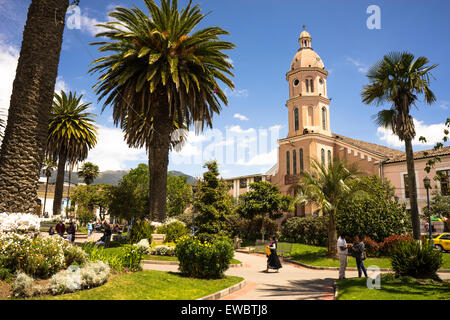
[[288, 164], [322, 156], [324, 118], [301, 159], [307, 85], [329, 157], [312, 85], [294, 161], [296, 119]]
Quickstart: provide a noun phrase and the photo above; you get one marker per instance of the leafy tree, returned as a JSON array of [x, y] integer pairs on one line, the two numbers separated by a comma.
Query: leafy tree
[[397, 79], [71, 134], [179, 195], [23, 147], [129, 199], [89, 172], [377, 215], [263, 199], [161, 76], [327, 187], [439, 205], [90, 197], [212, 203]]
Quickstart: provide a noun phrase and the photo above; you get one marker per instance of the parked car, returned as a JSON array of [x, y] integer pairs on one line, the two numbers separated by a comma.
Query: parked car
[[442, 242]]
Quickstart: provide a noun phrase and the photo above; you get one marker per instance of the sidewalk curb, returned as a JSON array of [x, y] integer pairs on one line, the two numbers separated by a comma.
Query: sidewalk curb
[[225, 292], [175, 263]]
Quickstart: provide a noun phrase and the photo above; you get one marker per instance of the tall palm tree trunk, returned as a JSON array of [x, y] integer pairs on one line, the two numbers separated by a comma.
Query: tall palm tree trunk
[[412, 186], [158, 161], [332, 235], [59, 184], [23, 147]]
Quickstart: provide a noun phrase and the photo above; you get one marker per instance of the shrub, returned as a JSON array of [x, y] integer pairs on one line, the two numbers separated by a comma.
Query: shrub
[[22, 285], [203, 259], [74, 255], [415, 260], [144, 246], [141, 230], [5, 274], [131, 257], [163, 250], [19, 222], [173, 230], [94, 274], [373, 248], [306, 230], [390, 242], [38, 257]]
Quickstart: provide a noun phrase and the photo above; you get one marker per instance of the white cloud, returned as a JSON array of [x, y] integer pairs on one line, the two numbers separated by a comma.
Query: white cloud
[[240, 117], [361, 67], [9, 56], [263, 159], [112, 152], [236, 93], [61, 85], [444, 105], [433, 133]]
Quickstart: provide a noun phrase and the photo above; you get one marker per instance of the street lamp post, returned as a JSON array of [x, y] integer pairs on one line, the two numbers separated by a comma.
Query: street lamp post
[[426, 182]]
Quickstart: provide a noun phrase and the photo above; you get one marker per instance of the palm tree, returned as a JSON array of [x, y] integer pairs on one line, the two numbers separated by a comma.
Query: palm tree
[[326, 186], [23, 147], [397, 79], [161, 75], [71, 134], [48, 167], [89, 172]]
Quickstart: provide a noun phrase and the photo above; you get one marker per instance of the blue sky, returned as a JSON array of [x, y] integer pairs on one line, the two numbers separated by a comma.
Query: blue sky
[[265, 33]]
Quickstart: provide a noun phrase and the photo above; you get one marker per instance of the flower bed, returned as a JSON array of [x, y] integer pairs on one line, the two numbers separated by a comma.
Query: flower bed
[[19, 222]]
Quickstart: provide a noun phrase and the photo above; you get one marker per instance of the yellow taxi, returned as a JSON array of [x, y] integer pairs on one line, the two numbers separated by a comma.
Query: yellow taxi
[[442, 242]]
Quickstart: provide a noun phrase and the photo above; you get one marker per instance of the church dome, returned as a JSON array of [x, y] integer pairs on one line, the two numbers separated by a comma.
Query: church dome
[[306, 57]]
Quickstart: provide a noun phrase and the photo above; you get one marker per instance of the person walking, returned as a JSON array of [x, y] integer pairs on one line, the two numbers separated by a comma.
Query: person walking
[[273, 262], [90, 228], [107, 234], [342, 252], [71, 232], [360, 255], [60, 228], [51, 231]]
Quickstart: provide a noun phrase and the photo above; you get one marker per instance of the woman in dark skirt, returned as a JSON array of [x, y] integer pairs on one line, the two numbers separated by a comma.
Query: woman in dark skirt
[[273, 262]]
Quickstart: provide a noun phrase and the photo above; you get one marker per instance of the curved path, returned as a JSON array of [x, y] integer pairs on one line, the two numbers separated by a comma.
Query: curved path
[[293, 282]]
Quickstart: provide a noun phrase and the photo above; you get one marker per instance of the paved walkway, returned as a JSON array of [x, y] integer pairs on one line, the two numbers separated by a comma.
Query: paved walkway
[[293, 282]]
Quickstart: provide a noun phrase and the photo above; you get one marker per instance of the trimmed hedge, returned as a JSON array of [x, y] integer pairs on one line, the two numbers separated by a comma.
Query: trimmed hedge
[[306, 230], [201, 259]]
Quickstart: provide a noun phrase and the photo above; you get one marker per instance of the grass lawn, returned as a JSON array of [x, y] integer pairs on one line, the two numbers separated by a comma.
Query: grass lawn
[[393, 289], [315, 256], [151, 285]]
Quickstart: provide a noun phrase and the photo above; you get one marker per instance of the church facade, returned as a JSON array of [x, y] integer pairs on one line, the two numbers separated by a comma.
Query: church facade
[[310, 137]]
